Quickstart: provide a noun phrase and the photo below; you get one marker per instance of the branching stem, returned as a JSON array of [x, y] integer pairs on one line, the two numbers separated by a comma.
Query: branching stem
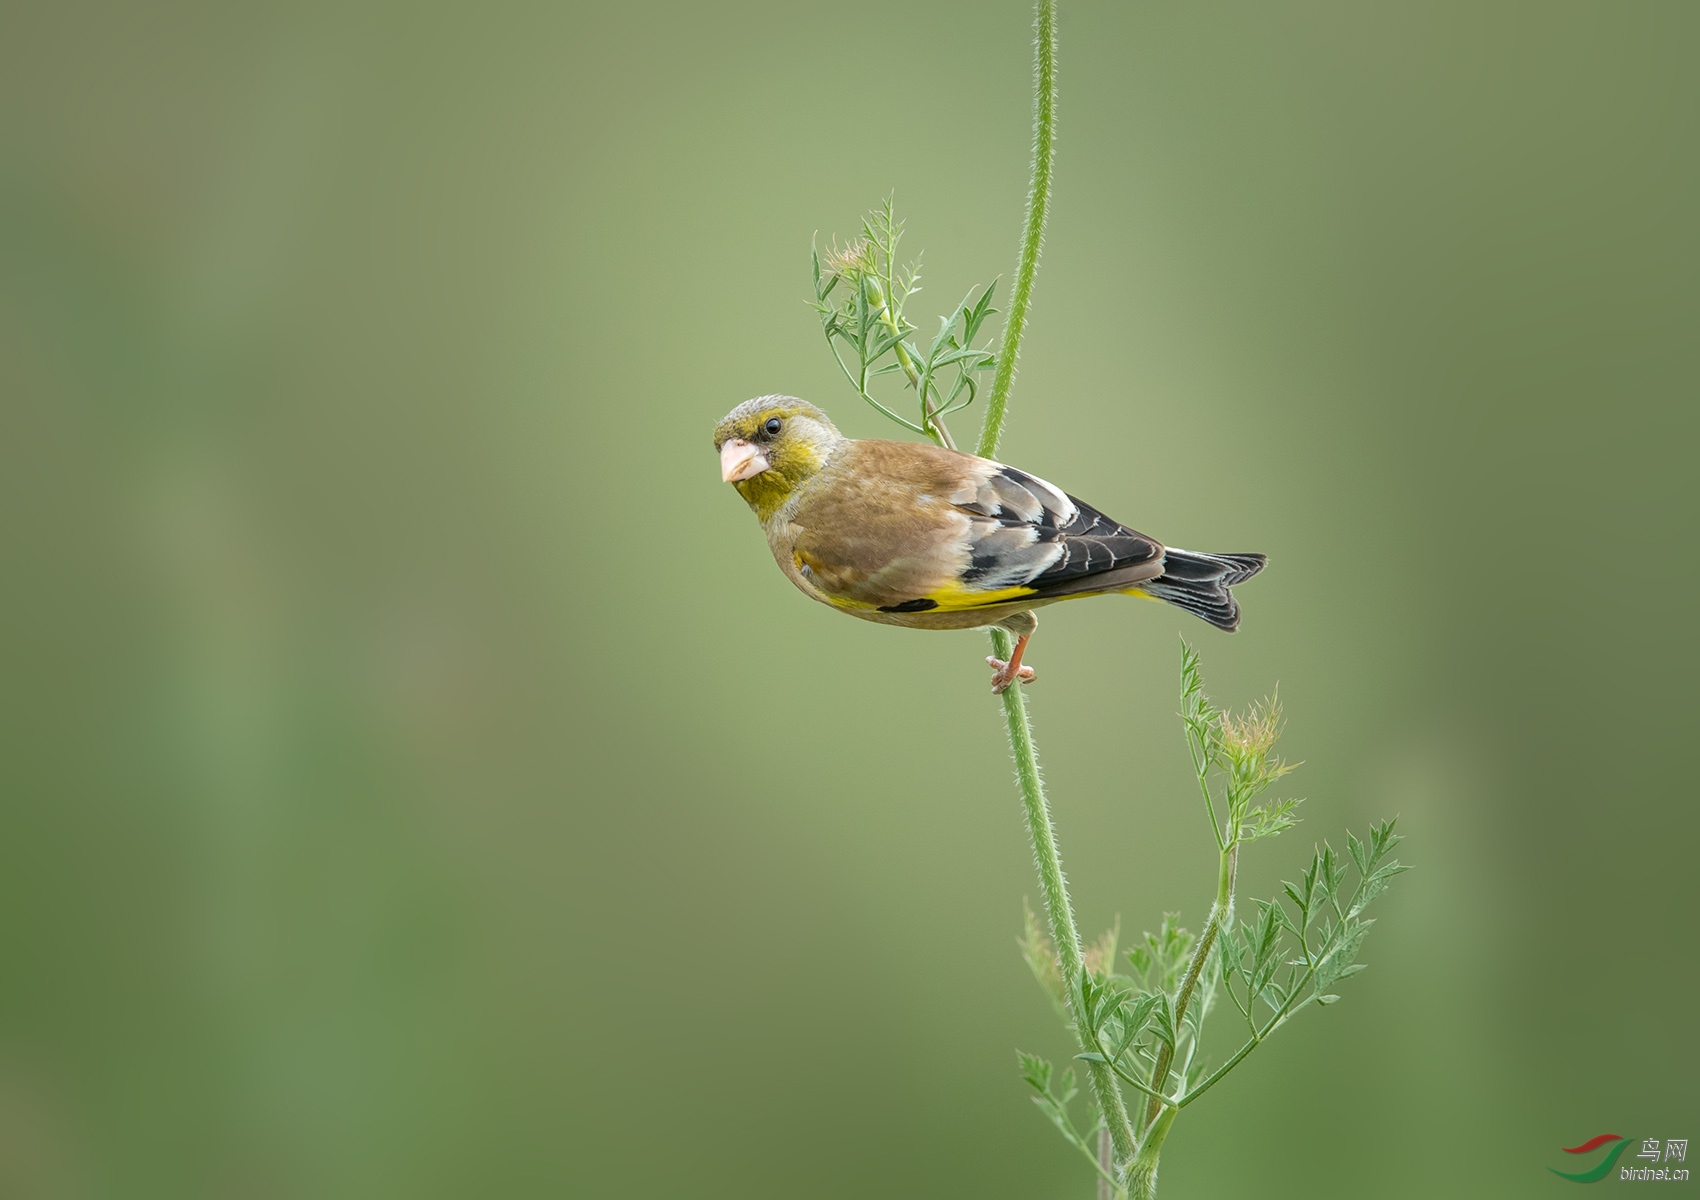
[[1142, 1172], [933, 424], [1221, 917], [1275, 1022]]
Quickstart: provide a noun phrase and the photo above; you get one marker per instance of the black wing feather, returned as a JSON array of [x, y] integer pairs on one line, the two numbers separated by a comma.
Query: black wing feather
[[1063, 540], [1093, 544]]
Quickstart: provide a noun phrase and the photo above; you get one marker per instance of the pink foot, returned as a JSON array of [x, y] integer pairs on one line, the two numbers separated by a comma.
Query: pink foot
[[1003, 676]]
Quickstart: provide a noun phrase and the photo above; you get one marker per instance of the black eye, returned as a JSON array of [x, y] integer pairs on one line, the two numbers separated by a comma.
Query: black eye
[[770, 426]]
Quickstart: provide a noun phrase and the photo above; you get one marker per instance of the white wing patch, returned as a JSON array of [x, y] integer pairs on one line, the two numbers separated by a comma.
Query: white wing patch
[[1008, 494]]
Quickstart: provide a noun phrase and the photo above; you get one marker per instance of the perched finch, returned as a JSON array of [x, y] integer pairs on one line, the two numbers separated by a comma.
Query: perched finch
[[908, 533]]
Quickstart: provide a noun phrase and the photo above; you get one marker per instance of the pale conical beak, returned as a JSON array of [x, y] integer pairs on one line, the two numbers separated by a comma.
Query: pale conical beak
[[740, 460]]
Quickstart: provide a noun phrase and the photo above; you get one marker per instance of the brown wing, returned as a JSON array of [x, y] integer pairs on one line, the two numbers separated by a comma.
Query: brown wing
[[877, 529], [907, 527]]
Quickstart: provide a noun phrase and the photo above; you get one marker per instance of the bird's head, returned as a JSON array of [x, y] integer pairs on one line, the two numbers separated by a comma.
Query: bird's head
[[771, 444]]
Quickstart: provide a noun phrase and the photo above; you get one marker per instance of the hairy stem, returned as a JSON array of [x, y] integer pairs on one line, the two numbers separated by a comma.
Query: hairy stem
[[1038, 205], [1142, 1174], [1064, 933]]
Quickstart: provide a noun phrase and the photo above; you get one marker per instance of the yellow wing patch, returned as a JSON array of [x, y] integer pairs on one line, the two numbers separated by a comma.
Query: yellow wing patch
[[836, 586], [953, 597]]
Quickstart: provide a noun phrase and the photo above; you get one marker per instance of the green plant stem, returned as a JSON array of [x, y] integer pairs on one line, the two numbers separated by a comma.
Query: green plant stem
[[1138, 1084], [860, 383], [1160, 1109], [933, 423], [1064, 933], [1108, 1186], [1038, 205], [1142, 1173], [1275, 1022], [1221, 917]]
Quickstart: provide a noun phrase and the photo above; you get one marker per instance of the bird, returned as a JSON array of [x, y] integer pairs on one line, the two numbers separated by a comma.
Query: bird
[[918, 535]]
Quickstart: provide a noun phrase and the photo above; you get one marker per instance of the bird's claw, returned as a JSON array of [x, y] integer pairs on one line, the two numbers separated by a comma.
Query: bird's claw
[[1002, 676]]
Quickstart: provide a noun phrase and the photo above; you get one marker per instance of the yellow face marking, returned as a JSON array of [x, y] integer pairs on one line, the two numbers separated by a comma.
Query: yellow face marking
[[791, 461]]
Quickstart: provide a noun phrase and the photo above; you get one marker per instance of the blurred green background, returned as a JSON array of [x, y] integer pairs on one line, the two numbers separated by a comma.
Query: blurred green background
[[419, 782]]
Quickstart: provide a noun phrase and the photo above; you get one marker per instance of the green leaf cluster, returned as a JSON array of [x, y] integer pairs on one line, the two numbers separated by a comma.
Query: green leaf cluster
[[860, 295], [1054, 1102], [1313, 938], [1162, 956]]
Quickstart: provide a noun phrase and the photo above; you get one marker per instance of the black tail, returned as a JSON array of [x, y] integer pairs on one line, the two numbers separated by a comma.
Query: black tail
[[1199, 583]]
